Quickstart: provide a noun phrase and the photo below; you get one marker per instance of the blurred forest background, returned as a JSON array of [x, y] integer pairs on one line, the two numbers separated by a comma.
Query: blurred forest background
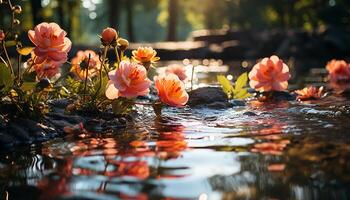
[[273, 26]]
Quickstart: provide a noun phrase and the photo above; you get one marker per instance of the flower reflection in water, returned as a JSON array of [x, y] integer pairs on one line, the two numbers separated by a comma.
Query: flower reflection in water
[[106, 161]]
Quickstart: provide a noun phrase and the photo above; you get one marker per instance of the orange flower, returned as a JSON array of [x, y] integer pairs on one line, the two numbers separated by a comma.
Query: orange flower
[[178, 70], [338, 70], [80, 61], [129, 80], [310, 92], [145, 56], [272, 148], [109, 36], [2, 35], [50, 43], [271, 74], [171, 90]]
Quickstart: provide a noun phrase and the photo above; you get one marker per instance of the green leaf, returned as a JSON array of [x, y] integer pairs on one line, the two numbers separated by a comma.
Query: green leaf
[[103, 85], [28, 86], [6, 78], [122, 105], [241, 81], [226, 85], [10, 43], [29, 77], [242, 94]]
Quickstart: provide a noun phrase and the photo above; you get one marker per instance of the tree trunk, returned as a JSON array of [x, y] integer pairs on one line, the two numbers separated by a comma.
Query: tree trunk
[[36, 12], [172, 19], [130, 17], [114, 13]]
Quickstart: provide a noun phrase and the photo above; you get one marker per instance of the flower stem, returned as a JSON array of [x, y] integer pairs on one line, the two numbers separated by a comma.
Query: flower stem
[[86, 75], [7, 57], [103, 66], [18, 78], [192, 75], [117, 55]]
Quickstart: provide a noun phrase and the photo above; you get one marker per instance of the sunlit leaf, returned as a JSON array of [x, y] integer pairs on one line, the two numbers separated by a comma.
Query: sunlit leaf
[[226, 85], [6, 78], [241, 81], [24, 51], [10, 43], [240, 91], [28, 86], [103, 85], [242, 94]]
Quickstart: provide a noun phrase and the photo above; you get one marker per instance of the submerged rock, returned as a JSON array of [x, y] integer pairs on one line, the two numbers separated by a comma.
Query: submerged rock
[[16, 130], [212, 97]]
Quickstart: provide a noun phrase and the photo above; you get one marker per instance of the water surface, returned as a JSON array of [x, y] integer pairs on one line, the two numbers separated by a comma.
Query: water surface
[[281, 150]]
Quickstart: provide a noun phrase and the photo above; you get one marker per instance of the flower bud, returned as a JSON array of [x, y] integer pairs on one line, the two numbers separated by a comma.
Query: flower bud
[[17, 9], [43, 83], [109, 36], [123, 44], [2, 35], [16, 22]]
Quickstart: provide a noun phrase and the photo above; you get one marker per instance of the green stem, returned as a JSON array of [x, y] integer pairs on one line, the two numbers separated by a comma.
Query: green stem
[[192, 75], [18, 78], [103, 66], [117, 55], [7, 57], [86, 75]]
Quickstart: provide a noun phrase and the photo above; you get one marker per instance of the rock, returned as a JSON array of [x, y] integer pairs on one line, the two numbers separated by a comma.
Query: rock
[[249, 113], [238, 102], [208, 96], [6, 141], [283, 96], [219, 105], [19, 133]]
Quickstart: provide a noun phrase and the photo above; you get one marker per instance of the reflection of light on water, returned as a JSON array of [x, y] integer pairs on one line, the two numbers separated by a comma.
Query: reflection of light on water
[[203, 196]]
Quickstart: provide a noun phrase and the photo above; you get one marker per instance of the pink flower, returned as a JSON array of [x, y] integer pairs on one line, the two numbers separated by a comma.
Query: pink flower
[[129, 80], [109, 35], [82, 59], [310, 92], [2, 35], [171, 90], [50, 43], [47, 69], [271, 74], [338, 70], [178, 70]]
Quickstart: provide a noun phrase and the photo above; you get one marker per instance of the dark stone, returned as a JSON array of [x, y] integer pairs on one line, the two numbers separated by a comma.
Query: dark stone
[[211, 118], [19, 133], [6, 141], [250, 114], [283, 96], [219, 105], [238, 102], [205, 96]]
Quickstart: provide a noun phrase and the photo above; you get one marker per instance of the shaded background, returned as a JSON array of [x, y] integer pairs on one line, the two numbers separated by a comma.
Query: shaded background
[[221, 29]]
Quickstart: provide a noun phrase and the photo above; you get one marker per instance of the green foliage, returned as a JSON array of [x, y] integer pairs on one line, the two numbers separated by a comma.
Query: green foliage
[[6, 81], [122, 105], [238, 91]]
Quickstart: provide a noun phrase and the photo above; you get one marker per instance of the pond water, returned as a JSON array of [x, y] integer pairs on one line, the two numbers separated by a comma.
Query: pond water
[[281, 150]]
